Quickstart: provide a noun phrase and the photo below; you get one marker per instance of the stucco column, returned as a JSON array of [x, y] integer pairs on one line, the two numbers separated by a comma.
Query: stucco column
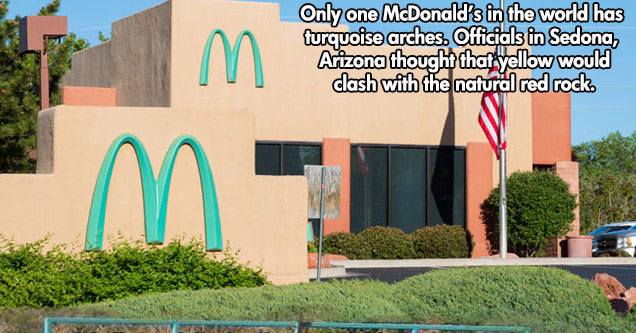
[[478, 186], [569, 172], [337, 152]]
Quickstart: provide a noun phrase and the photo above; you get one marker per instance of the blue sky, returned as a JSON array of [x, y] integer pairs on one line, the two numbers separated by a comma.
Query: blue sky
[[609, 109]]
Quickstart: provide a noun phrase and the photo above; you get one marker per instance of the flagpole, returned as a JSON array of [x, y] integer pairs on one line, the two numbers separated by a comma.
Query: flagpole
[[503, 218]]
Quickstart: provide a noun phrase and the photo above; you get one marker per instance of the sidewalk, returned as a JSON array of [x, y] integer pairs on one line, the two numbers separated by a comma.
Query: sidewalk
[[481, 262]]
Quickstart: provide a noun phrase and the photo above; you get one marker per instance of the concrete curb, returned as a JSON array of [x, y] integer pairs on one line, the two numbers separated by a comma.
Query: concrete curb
[[330, 273], [481, 262]]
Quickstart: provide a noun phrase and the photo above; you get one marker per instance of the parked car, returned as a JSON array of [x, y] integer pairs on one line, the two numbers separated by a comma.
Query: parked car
[[602, 230], [617, 240]]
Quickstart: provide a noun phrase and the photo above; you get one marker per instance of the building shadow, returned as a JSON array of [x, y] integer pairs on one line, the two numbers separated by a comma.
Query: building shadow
[[442, 174]]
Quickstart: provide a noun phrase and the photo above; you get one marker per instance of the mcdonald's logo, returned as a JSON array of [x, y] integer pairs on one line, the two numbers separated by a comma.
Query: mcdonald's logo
[[231, 57], [155, 192]]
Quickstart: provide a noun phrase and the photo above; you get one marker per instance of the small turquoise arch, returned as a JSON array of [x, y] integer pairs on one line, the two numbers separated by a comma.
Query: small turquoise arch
[[231, 57], [155, 192]]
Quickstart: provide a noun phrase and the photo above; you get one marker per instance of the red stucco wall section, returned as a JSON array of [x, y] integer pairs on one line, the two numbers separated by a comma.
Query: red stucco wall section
[[89, 96], [551, 126], [569, 172], [337, 152], [479, 159]]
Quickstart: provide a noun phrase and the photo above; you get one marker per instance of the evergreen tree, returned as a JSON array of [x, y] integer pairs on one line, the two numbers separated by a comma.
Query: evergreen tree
[[20, 89]]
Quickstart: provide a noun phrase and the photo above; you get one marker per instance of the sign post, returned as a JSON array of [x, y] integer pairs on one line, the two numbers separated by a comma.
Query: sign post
[[324, 198]]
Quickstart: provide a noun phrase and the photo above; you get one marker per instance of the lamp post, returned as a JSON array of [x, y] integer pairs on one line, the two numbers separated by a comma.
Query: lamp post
[[35, 33]]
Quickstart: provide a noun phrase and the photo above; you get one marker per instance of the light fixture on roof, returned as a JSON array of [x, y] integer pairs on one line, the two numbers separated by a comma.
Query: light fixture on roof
[[35, 33]]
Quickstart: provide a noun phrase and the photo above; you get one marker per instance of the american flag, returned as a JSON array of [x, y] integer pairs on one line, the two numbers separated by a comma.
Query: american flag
[[363, 162], [489, 114]]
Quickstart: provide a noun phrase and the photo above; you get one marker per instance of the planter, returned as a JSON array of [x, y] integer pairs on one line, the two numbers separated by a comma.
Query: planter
[[580, 246]]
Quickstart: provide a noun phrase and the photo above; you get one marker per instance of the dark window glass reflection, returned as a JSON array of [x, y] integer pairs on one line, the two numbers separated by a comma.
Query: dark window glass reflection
[[295, 157], [369, 184], [268, 159], [408, 188]]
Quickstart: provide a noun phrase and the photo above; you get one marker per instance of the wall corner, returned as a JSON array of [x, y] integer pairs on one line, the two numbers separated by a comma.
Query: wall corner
[[479, 183], [337, 152]]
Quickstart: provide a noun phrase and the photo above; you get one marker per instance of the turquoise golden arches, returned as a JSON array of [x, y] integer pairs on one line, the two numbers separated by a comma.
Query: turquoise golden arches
[[155, 192], [231, 57]]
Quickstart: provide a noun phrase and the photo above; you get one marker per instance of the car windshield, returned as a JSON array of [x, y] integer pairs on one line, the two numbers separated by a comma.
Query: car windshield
[[605, 229]]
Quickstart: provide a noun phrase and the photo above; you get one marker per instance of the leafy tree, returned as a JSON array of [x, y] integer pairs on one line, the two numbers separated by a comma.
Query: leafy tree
[[607, 180], [20, 89], [615, 153], [540, 206], [102, 37]]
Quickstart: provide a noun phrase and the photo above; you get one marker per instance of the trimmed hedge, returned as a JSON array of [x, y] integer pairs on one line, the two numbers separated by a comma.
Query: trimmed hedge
[[546, 299], [31, 277], [346, 244], [388, 243], [442, 241], [540, 206]]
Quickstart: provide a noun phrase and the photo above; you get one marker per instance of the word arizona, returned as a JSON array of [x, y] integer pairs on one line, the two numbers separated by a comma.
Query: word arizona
[[344, 61]]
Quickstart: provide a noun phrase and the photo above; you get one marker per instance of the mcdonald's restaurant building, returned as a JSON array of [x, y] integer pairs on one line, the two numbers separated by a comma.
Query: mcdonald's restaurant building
[[258, 118]]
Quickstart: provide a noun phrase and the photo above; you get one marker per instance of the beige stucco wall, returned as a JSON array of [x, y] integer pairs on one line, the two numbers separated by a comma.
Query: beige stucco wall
[[263, 217], [294, 94], [298, 103]]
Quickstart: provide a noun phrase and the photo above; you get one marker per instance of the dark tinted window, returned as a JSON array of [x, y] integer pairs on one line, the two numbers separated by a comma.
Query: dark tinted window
[[295, 157], [369, 185], [407, 187], [408, 190], [268, 159], [447, 188]]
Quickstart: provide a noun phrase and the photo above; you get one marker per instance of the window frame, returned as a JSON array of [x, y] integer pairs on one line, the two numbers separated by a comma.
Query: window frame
[[282, 145], [428, 174]]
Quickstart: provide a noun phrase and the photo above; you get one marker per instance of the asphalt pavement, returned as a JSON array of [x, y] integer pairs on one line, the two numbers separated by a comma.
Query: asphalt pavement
[[626, 274]]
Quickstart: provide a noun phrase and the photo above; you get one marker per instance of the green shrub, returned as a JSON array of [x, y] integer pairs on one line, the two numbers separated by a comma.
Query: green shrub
[[442, 241], [347, 244], [613, 253], [546, 299], [312, 248], [388, 243], [540, 206], [337, 301], [31, 277]]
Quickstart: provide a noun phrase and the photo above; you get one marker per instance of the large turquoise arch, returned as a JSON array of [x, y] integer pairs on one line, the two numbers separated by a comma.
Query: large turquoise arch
[[155, 192]]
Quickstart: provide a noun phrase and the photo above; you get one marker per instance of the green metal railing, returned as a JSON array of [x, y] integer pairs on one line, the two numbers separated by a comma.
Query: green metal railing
[[295, 326]]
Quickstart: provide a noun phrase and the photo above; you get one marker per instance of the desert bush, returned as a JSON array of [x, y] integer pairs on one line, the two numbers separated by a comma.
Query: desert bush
[[442, 241], [613, 253], [312, 248], [388, 243], [347, 244], [29, 276], [540, 206], [546, 299]]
